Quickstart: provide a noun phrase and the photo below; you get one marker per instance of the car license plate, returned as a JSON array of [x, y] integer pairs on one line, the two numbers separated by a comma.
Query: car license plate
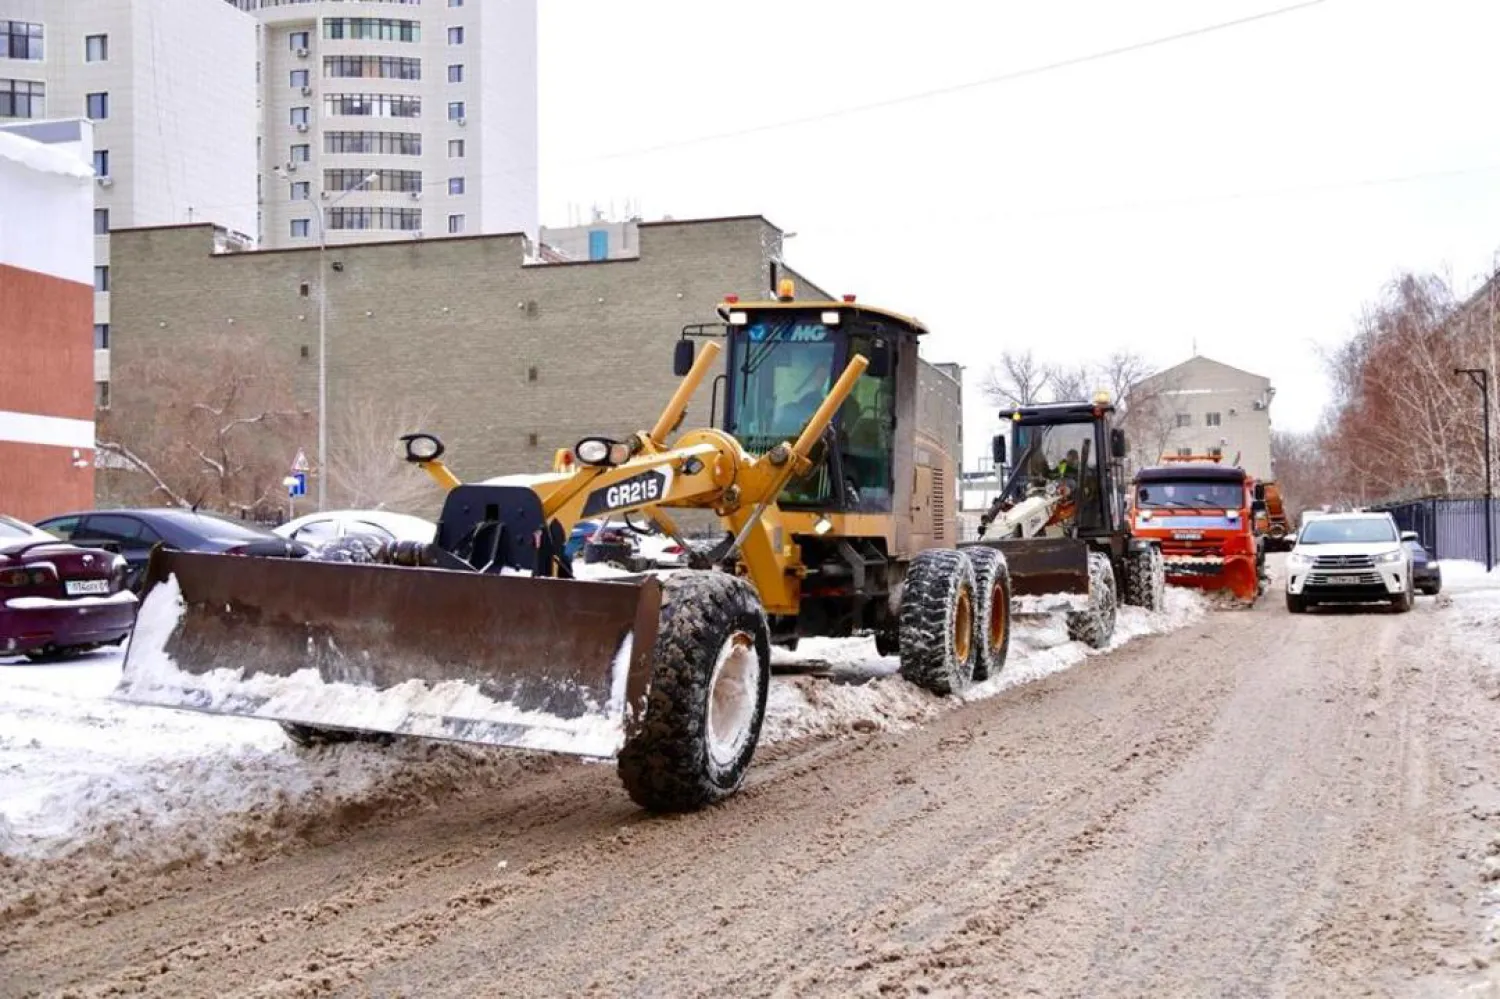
[[1343, 580], [83, 587]]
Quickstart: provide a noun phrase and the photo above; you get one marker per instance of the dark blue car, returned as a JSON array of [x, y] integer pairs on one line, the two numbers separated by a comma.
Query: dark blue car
[[133, 533], [1426, 575]]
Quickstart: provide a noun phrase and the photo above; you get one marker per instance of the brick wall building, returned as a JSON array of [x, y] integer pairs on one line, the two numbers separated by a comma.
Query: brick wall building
[[515, 359], [46, 329]]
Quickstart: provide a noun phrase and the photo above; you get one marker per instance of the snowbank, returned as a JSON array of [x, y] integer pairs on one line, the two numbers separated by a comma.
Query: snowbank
[[82, 776]]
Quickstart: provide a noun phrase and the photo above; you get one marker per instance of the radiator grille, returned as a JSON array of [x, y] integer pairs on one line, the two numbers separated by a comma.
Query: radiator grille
[[939, 507]]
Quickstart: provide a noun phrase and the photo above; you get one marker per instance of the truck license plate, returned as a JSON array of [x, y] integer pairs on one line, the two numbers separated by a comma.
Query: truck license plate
[[1187, 535], [83, 587], [1343, 580]]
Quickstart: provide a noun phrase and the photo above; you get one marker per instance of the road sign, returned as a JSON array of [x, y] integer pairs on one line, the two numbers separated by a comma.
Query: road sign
[[300, 463], [296, 485]]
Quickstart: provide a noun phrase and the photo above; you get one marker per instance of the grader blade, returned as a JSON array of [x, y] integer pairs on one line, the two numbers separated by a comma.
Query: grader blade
[[501, 660], [1043, 566]]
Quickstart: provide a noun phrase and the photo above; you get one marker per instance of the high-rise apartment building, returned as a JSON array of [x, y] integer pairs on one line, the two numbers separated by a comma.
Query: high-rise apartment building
[[396, 119], [164, 83]]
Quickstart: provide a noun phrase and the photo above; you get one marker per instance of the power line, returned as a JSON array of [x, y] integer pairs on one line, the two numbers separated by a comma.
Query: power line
[[988, 81]]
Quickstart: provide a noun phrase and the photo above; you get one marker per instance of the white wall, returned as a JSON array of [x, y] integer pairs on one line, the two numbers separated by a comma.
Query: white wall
[[46, 216], [508, 124]]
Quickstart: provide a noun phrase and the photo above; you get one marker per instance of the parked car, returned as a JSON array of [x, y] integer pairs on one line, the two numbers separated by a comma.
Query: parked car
[[1426, 574], [57, 599], [621, 546], [318, 529], [1344, 558], [133, 533]]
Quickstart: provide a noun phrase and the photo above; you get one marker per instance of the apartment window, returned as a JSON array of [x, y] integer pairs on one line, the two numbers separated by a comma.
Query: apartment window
[[1184, 420], [96, 106], [401, 219], [374, 105], [101, 221], [300, 228], [372, 67], [101, 336], [301, 78], [302, 190], [1215, 419], [391, 143], [455, 110], [301, 153], [1184, 452], [101, 277], [300, 116], [455, 3], [20, 40], [403, 181], [455, 185], [1216, 452], [376, 29], [96, 48], [22, 99], [455, 224], [101, 162], [456, 73], [455, 149], [455, 36], [101, 395], [299, 40]]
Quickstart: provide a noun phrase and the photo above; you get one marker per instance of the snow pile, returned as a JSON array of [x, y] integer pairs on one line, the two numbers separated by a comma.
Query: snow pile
[[858, 689]]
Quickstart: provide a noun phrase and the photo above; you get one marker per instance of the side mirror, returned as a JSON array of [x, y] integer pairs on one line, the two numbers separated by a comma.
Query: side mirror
[[1410, 536], [1260, 492], [997, 449], [881, 358], [682, 357], [1117, 446]]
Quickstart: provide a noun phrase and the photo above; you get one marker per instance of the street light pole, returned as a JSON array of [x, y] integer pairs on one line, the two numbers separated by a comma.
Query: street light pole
[[323, 340], [1481, 377]]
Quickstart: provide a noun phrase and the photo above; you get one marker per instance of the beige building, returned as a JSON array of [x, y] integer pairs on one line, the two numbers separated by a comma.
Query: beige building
[[1202, 406], [515, 358]]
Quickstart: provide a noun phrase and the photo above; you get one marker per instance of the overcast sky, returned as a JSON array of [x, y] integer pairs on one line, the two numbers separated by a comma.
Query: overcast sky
[[1249, 189]]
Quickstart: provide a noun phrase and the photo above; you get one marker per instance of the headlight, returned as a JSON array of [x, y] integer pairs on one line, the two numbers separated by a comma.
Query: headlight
[[1389, 557], [1296, 561]]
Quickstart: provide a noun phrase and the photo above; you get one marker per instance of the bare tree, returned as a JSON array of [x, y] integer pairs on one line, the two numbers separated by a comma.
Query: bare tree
[[366, 467], [1121, 372], [1018, 380], [214, 425], [1072, 382]]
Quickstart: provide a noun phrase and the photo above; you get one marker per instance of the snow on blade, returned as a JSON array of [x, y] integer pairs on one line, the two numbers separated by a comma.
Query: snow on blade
[[411, 708]]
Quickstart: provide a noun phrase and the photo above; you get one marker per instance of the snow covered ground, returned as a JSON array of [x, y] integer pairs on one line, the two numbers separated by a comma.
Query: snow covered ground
[[82, 775]]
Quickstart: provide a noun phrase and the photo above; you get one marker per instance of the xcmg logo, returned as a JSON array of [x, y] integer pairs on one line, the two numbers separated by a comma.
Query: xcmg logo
[[797, 333]]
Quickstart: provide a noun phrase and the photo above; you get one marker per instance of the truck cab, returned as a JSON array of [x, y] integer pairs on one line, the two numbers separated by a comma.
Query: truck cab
[[1203, 515]]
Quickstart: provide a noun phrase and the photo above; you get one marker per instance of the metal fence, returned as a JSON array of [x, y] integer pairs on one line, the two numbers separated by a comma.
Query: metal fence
[[1449, 528]]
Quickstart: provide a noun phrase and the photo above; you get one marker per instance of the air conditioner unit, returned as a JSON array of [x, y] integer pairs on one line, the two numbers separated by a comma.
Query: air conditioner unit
[[461, 121], [106, 181], [302, 53], [302, 127], [323, 195], [307, 91], [416, 195], [291, 167]]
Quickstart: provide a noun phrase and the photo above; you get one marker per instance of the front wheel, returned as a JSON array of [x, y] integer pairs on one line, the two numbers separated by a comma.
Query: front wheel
[[937, 621], [1403, 603], [1095, 625], [709, 682], [1296, 604], [1146, 578], [992, 617]]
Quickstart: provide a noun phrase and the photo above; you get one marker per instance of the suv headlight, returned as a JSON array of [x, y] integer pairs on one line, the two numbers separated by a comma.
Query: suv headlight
[[1389, 557], [1296, 561]]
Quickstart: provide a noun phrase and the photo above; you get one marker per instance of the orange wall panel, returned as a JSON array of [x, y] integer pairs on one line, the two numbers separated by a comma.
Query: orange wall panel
[[46, 345]]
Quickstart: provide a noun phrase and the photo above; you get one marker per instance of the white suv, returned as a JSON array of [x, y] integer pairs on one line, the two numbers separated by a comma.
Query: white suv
[[1346, 558]]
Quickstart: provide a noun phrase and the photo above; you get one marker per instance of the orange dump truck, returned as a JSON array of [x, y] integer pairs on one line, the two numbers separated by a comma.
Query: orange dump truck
[[1202, 514]]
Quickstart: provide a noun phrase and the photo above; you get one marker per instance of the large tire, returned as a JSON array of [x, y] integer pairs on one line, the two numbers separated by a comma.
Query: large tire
[[937, 621], [992, 611], [1095, 626], [1146, 578], [709, 682]]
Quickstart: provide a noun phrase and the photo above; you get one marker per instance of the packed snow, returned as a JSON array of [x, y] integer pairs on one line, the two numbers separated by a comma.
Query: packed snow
[[83, 774]]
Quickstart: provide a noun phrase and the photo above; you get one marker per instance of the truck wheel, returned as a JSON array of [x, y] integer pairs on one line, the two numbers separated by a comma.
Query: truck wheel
[[992, 611], [1095, 626], [1146, 579], [938, 604], [709, 683]]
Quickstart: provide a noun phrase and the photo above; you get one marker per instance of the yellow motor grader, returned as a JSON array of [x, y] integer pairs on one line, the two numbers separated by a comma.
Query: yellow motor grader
[[837, 507]]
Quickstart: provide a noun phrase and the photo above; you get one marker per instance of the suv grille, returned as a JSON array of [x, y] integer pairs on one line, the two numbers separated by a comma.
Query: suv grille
[[1344, 562], [1356, 570]]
